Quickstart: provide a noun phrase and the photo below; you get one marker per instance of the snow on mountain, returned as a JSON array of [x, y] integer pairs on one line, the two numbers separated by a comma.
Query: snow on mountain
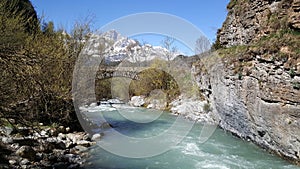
[[117, 48]]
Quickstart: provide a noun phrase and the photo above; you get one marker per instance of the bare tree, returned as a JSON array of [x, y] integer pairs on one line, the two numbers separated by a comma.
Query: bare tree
[[168, 44], [80, 33], [202, 45]]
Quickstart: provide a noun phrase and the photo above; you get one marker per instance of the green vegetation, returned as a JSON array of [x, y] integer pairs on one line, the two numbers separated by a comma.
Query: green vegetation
[[151, 79], [292, 73], [282, 45], [36, 66], [296, 85]]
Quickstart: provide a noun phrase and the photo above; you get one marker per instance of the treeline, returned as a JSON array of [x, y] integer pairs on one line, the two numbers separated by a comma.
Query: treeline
[[36, 66]]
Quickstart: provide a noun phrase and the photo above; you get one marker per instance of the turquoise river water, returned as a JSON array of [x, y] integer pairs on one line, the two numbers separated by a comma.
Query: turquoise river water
[[220, 151]]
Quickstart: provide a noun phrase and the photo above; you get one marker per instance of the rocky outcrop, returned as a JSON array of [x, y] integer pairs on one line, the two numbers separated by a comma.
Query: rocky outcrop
[[260, 103], [247, 20]]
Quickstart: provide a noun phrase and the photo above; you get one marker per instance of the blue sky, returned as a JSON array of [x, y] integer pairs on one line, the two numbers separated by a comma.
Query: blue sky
[[206, 15]]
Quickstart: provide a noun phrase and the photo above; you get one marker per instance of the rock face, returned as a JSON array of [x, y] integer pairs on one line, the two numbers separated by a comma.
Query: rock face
[[254, 86], [249, 20], [261, 105]]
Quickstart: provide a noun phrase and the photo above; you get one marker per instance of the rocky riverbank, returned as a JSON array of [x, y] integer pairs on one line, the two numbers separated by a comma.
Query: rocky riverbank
[[43, 147]]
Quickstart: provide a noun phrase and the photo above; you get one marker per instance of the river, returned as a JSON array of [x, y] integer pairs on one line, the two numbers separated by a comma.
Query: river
[[220, 151]]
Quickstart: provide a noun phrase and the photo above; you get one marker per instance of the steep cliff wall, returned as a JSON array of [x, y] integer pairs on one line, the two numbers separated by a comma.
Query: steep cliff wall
[[253, 82], [262, 105], [248, 20]]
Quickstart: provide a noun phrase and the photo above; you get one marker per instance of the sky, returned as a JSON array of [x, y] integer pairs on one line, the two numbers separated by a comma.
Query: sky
[[206, 15]]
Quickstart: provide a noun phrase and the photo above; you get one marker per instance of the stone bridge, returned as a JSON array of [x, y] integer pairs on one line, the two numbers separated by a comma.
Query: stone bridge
[[128, 72]]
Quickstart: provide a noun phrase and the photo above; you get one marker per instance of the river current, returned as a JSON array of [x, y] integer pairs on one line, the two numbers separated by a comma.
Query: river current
[[220, 151]]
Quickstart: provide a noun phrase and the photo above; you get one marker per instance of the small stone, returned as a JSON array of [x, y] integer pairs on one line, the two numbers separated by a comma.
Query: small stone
[[61, 136], [24, 162], [297, 79], [72, 137], [70, 156], [69, 144], [68, 129], [61, 129], [39, 156], [96, 137], [53, 132], [279, 71], [60, 145], [52, 139], [43, 133], [83, 143], [12, 162], [6, 130], [15, 146], [24, 166], [93, 105]]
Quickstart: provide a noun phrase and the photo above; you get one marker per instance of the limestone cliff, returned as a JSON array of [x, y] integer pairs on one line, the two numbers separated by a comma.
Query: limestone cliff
[[253, 82], [248, 20]]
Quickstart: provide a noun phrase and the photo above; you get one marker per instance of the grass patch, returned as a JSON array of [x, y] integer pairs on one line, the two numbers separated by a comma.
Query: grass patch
[[296, 85]]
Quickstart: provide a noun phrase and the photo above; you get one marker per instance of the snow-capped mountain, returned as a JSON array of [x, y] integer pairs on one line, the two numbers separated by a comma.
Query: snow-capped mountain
[[118, 48]]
